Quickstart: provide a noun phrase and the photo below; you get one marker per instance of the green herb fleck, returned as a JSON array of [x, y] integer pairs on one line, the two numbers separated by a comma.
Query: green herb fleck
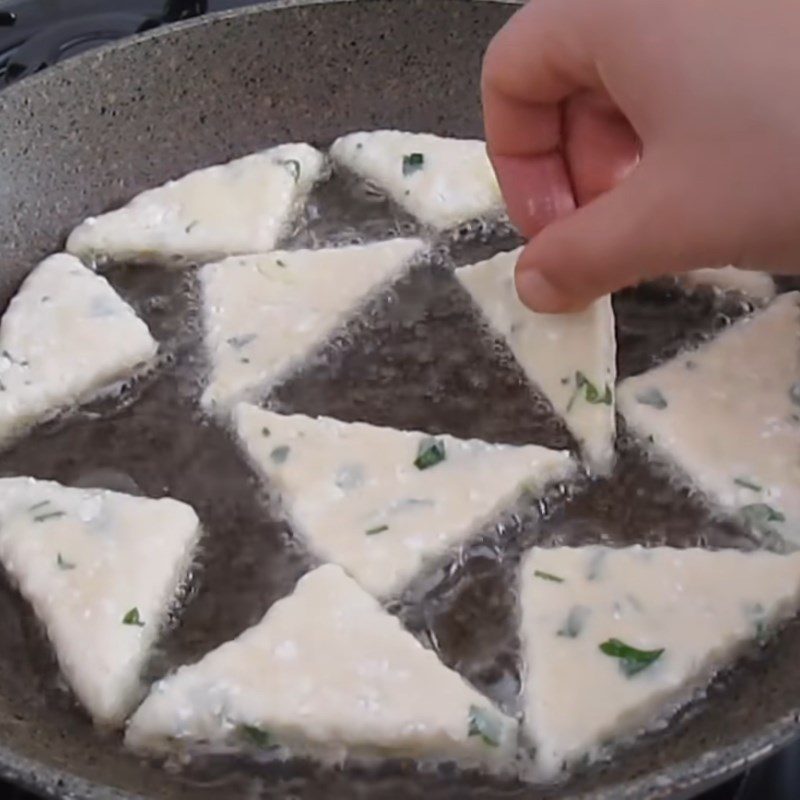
[[412, 162], [280, 454], [410, 502], [762, 632], [265, 431], [191, 226], [794, 393], [40, 504], [486, 725], [63, 564], [595, 565], [590, 392], [631, 660], [255, 735], [132, 618], [294, 168], [238, 342], [49, 515], [279, 262], [759, 515], [755, 613], [574, 623], [547, 576], [431, 452], [376, 529], [350, 476], [747, 484], [652, 397]]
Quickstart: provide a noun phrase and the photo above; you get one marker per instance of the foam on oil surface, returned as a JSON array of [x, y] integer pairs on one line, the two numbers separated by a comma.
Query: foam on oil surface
[[418, 357]]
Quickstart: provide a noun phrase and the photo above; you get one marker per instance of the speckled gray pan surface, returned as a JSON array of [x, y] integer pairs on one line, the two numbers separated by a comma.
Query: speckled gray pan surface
[[88, 134]]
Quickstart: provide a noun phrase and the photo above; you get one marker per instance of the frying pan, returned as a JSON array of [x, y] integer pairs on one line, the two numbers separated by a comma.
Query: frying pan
[[87, 135]]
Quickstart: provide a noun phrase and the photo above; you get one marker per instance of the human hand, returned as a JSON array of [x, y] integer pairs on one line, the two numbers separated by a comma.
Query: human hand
[[637, 139]]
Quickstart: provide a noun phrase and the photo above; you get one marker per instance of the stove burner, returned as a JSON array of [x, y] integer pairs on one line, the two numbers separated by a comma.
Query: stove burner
[[34, 45]]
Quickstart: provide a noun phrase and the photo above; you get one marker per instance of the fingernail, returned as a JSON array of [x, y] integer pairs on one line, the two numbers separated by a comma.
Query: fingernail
[[536, 292], [536, 190]]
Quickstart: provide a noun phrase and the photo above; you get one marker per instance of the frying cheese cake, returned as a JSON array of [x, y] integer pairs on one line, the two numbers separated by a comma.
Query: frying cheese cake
[[614, 640], [66, 336], [441, 181], [263, 315], [101, 570], [727, 414], [385, 503], [571, 358], [243, 206], [327, 672]]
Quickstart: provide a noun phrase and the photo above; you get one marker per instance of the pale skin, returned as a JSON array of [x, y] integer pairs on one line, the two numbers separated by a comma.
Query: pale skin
[[639, 138]]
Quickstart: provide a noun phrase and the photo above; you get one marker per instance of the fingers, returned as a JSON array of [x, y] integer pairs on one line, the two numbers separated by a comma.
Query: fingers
[[637, 230], [537, 60], [536, 189], [601, 146]]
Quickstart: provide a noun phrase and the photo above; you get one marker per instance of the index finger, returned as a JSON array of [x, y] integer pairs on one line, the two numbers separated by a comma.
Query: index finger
[[537, 59]]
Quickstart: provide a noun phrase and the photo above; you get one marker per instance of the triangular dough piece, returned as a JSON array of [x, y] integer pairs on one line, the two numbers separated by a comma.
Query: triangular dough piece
[[443, 182], [327, 672], [750, 283], [581, 609], [66, 335], [243, 206], [728, 414], [570, 357], [263, 315], [101, 570], [382, 502]]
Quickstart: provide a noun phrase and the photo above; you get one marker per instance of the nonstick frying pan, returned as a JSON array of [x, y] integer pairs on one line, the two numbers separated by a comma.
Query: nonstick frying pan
[[88, 134]]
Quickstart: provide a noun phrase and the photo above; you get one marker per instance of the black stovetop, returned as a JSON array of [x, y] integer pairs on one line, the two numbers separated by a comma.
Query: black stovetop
[[37, 33]]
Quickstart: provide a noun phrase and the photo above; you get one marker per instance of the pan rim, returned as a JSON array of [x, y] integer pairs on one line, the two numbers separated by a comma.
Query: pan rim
[[686, 777], [212, 18]]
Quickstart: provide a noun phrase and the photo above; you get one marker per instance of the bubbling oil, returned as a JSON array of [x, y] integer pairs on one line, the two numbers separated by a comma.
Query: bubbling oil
[[417, 357]]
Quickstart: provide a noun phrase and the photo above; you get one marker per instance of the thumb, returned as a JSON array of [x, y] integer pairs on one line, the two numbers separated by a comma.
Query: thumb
[[640, 229]]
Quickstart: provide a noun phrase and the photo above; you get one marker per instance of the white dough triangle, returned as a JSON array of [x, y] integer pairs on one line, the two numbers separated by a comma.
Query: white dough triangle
[[570, 357], [243, 206], [751, 283], [357, 496], [443, 182], [326, 672], [101, 570], [66, 335], [263, 315], [700, 607], [728, 415]]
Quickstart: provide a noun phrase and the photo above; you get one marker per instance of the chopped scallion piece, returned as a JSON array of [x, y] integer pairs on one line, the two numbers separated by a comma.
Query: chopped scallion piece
[[280, 454], [431, 452], [412, 162], [652, 397], [376, 529], [547, 576], [486, 725], [631, 660], [132, 618]]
